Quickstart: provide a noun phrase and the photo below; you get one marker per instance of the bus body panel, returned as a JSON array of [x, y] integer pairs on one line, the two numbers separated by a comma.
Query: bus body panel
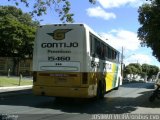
[[112, 77], [63, 65], [108, 70], [57, 46]]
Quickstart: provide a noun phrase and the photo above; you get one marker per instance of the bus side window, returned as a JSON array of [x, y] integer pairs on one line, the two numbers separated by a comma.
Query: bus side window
[[114, 55], [109, 53], [117, 57], [97, 48], [102, 51], [92, 52]]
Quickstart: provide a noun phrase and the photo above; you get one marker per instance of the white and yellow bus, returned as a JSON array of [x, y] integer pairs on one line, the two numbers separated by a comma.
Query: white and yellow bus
[[71, 60]]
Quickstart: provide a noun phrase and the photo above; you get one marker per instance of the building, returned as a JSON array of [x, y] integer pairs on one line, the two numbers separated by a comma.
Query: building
[[8, 66]]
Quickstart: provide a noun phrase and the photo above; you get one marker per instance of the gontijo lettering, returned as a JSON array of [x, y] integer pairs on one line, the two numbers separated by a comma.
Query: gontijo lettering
[[59, 45]]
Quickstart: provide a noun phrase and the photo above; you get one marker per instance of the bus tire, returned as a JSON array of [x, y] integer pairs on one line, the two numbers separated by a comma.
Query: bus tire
[[100, 90]]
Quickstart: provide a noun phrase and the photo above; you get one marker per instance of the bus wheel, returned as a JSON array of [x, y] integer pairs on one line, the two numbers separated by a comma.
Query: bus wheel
[[100, 90]]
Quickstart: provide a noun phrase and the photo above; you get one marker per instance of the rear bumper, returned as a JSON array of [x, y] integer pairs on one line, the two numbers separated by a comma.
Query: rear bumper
[[75, 92]]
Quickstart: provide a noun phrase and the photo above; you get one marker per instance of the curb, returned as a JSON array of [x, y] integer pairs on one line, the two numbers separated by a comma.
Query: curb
[[15, 88], [14, 91], [128, 82]]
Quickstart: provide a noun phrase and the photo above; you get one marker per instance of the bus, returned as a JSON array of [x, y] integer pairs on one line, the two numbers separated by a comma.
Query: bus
[[71, 60]]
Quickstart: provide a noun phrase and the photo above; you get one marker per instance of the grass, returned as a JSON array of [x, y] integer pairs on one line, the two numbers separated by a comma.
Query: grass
[[14, 81]]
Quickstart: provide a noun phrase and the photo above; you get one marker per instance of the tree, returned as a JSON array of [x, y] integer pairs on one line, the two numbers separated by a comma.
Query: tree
[[134, 70], [149, 19], [17, 31], [127, 70], [153, 71], [138, 67], [143, 70], [149, 70], [62, 7], [131, 69]]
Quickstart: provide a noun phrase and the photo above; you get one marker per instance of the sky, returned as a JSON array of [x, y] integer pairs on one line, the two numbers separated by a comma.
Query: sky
[[115, 20]]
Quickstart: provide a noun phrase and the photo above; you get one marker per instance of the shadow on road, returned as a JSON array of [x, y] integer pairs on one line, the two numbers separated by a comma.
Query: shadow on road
[[108, 105], [139, 85], [116, 105]]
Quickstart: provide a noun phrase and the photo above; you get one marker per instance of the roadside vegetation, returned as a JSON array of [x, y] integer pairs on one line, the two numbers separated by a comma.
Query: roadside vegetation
[[144, 70], [148, 17], [14, 81]]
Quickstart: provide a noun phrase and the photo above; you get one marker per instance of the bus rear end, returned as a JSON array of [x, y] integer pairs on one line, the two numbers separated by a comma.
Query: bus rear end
[[58, 61]]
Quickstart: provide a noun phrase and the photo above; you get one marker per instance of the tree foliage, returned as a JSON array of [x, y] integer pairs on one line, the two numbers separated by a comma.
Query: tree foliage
[[150, 70], [143, 70], [62, 7], [127, 70], [133, 68], [149, 32], [137, 66], [153, 70], [17, 31]]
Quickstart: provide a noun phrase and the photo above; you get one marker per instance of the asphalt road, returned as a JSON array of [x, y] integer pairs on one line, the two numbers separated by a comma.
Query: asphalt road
[[130, 98]]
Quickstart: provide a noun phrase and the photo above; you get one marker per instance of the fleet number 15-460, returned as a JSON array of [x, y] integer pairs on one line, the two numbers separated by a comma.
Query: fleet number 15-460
[[62, 58]]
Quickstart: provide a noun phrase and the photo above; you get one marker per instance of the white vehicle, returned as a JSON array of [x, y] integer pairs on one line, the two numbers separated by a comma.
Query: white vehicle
[[71, 60], [157, 81], [156, 93]]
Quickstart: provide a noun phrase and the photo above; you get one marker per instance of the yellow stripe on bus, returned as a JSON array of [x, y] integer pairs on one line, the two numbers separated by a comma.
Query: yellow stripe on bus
[[110, 77]]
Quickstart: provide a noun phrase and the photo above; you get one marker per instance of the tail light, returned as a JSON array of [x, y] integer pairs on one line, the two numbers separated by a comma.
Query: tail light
[[84, 78], [34, 76]]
